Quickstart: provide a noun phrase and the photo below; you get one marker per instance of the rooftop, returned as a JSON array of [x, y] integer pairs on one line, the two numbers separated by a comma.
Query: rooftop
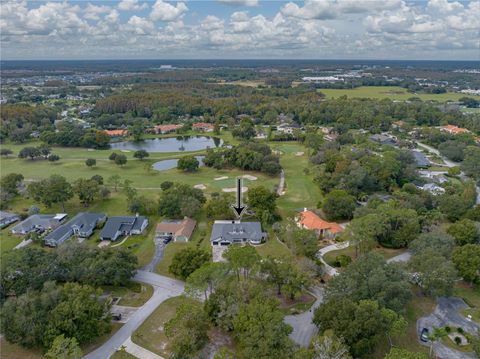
[[311, 221]]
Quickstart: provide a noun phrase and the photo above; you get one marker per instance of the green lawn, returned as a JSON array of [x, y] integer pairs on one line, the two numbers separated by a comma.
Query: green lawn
[[387, 253], [390, 92], [122, 355], [273, 247], [150, 334], [133, 295]]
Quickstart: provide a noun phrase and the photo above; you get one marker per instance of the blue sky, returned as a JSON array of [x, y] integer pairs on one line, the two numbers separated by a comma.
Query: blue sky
[[313, 29]]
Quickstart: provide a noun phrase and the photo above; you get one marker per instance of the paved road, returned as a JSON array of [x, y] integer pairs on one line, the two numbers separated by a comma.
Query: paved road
[[157, 257], [164, 288], [404, 257], [447, 313], [334, 247], [303, 328], [138, 351]]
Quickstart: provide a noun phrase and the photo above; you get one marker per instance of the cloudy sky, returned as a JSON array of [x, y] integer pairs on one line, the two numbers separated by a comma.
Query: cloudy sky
[[233, 29]]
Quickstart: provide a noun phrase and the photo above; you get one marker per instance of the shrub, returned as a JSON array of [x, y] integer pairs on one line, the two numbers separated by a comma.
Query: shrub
[[458, 340], [342, 260]]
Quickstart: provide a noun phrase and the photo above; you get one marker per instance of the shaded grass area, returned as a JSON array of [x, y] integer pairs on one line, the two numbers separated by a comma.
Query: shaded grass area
[[122, 355], [299, 305], [387, 253], [150, 334], [390, 92], [133, 295], [273, 247]]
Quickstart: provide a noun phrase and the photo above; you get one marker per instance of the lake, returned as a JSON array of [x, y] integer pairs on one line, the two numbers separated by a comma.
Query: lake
[[170, 144], [169, 164]]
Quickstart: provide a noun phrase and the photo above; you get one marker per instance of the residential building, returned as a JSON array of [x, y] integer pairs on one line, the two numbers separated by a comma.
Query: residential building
[[436, 177], [203, 126], [309, 220], [7, 218], [384, 139], [289, 128], [39, 222], [178, 230], [420, 159], [123, 226], [230, 232], [454, 130], [432, 188], [82, 226], [169, 128], [116, 133]]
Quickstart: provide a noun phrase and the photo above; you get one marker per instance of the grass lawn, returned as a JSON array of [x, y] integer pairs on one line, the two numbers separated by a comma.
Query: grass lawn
[[273, 247], [150, 334], [471, 296], [133, 295], [122, 355], [387, 253], [299, 305], [390, 92]]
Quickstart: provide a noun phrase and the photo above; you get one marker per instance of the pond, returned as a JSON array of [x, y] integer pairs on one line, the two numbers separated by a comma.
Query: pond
[[169, 164], [170, 144]]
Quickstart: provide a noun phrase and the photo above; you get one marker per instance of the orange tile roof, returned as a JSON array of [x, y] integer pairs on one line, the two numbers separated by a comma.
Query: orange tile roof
[[455, 129], [311, 221], [168, 127], [202, 125], [113, 133]]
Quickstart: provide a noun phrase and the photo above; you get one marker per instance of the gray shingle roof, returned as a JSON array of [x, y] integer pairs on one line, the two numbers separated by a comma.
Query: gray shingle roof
[[237, 231], [43, 221], [420, 159], [121, 224], [83, 222]]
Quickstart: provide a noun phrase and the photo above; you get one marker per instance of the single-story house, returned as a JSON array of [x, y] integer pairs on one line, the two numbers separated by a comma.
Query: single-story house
[[40, 222], [309, 220], [123, 225], [384, 139], [228, 232], [6, 218], [169, 128], [82, 225], [421, 160], [433, 188], [116, 133], [203, 126], [454, 130], [178, 230], [289, 128]]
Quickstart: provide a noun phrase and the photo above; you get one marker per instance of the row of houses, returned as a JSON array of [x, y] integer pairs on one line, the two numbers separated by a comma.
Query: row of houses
[[163, 129], [82, 225]]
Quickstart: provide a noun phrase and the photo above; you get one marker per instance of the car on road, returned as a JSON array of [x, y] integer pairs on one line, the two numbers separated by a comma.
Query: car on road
[[424, 335]]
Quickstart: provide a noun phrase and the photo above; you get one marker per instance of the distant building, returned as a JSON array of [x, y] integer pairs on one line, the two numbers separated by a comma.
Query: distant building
[[163, 129], [82, 225], [421, 160], [123, 226], [289, 128], [39, 222], [116, 133], [203, 126], [231, 232], [384, 139], [433, 189], [309, 220], [454, 130], [178, 230], [7, 218]]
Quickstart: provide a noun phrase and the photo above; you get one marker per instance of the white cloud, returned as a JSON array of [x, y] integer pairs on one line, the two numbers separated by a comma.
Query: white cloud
[[93, 12], [131, 5], [164, 11], [239, 2], [140, 25], [313, 9]]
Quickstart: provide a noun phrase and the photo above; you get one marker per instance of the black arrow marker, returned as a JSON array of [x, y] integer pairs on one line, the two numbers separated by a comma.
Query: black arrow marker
[[238, 207]]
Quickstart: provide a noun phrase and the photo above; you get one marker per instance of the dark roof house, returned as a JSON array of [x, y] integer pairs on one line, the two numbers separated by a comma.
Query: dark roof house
[[40, 222], [384, 139], [6, 218], [82, 225], [420, 159], [228, 232], [123, 225]]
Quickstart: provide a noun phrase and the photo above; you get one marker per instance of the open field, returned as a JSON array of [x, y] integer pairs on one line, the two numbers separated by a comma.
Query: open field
[[150, 334], [390, 92]]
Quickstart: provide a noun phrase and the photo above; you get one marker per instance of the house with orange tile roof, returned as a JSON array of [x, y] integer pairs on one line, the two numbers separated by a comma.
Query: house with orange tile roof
[[311, 221], [454, 130], [203, 126], [168, 128], [116, 133]]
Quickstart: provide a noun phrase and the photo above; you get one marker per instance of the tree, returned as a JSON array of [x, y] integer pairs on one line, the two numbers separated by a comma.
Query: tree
[[464, 231], [44, 149], [141, 154], [206, 279], [188, 164], [371, 278], [180, 200], [362, 232], [436, 240], [329, 346], [9, 183], [112, 156], [64, 348], [97, 178], [33, 210], [397, 353], [471, 162], [120, 159], [261, 332], [302, 242], [220, 207], [31, 152], [114, 180], [434, 274], [187, 331], [187, 261], [91, 162], [242, 259], [5, 152], [338, 204], [165, 185], [53, 157], [102, 140], [261, 199], [245, 131], [467, 262], [284, 276], [87, 190], [54, 189]]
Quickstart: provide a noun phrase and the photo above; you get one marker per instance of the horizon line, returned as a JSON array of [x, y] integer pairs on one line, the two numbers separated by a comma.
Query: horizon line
[[241, 59]]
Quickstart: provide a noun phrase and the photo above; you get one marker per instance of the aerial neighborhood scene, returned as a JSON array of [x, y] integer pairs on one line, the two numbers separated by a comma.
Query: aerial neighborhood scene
[[239, 179]]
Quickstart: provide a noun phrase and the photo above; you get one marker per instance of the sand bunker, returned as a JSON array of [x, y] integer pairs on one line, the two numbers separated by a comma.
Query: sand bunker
[[250, 178], [200, 186], [125, 150], [299, 153], [234, 189], [220, 178]]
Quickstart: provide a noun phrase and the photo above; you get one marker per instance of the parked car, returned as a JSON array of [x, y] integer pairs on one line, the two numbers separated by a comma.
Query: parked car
[[424, 335], [167, 240]]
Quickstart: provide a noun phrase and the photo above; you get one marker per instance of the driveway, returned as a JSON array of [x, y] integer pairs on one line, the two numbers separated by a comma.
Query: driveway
[[334, 247], [164, 288], [446, 313], [281, 184], [404, 257], [303, 328], [157, 256]]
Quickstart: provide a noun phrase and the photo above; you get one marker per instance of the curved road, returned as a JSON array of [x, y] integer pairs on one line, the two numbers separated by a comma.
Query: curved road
[[164, 288]]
